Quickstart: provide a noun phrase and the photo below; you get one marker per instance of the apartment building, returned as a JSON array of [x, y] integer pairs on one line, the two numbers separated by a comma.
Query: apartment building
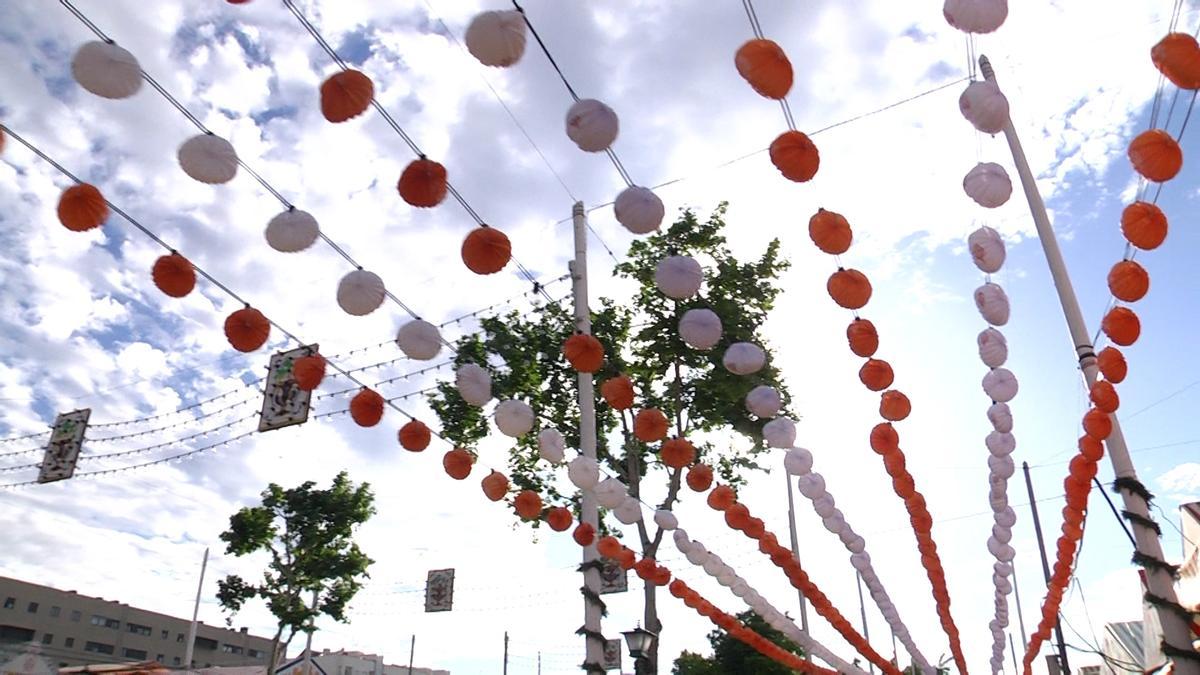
[[72, 629], [344, 662]]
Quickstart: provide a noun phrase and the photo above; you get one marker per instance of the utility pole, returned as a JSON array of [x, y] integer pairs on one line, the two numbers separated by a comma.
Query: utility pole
[[191, 639], [1176, 631], [412, 650], [1037, 528], [787, 478], [505, 652], [539, 662], [1017, 596]]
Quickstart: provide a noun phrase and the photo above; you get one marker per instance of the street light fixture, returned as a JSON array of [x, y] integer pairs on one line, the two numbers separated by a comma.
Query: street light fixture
[[639, 641]]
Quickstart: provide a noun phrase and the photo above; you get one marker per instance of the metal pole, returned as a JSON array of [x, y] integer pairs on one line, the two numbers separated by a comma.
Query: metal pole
[[1176, 631], [863, 608], [796, 554], [412, 650], [505, 652], [191, 640], [589, 509], [1017, 595], [1037, 528], [312, 625], [1013, 651]]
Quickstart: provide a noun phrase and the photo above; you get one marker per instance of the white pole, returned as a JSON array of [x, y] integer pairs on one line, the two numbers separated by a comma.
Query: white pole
[[1017, 596], [862, 607], [796, 554], [590, 511], [308, 667], [1176, 631], [191, 640]]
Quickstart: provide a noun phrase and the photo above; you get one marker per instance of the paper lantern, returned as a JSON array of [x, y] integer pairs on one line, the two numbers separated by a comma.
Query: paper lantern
[[610, 492], [360, 292], [514, 418], [308, 371], [864, 340], [474, 384], [496, 38], [174, 275], [763, 401], [1111, 363], [975, 16], [987, 249], [629, 511], [81, 207], [1144, 225], [780, 433], [345, 95], [551, 445], [830, 232], [528, 504], [584, 472], [495, 486], [457, 463], [849, 288], [292, 231], [678, 276], [876, 375], [1000, 443], [650, 425], [1177, 57], [993, 347], [486, 250], [366, 408], [415, 436], [1000, 385], [639, 210], [208, 158], [677, 453], [764, 65], [1097, 424], [795, 155], [592, 125], [1121, 326], [423, 183], [665, 519], [1128, 281], [559, 518], [247, 329], [988, 184], [699, 477], [984, 106], [1091, 449], [1155, 155], [722, 497], [1001, 417], [1001, 466], [798, 461], [992, 303], [700, 328], [106, 70], [584, 353], [744, 358], [421, 340], [824, 506], [894, 406]]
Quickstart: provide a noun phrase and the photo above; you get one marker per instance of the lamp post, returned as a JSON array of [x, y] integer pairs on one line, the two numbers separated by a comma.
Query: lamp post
[[639, 641]]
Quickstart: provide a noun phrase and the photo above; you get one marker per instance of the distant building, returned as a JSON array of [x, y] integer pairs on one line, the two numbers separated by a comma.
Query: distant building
[[1123, 648], [72, 629], [349, 663], [1088, 670]]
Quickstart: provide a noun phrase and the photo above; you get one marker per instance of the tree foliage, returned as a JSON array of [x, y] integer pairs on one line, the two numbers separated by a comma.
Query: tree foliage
[[734, 657]]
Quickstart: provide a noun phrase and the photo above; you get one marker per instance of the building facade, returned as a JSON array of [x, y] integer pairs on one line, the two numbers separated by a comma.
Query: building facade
[[72, 629], [344, 662]]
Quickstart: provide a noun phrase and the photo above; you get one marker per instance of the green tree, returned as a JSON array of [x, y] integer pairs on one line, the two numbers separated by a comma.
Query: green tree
[[705, 402], [734, 657], [309, 535]]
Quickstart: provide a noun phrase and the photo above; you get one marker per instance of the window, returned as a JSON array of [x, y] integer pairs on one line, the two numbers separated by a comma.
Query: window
[[9, 603], [165, 634], [232, 649], [55, 610], [179, 637], [15, 634], [138, 629], [254, 654], [76, 615], [69, 642], [206, 643], [98, 648], [348, 670], [139, 654], [160, 658], [175, 660], [106, 622], [32, 608], [47, 638]]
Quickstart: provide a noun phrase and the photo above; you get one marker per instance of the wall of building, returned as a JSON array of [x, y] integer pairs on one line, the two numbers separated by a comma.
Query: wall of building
[[358, 663]]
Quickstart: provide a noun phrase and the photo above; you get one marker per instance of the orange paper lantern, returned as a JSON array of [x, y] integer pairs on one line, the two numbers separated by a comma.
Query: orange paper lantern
[[1104, 396], [415, 436], [795, 155], [82, 207], [345, 95], [894, 406], [559, 518], [423, 183], [618, 392], [722, 497], [495, 485], [1156, 155], [830, 232], [765, 66], [1111, 363], [884, 439], [1128, 281], [584, 534], [1144, 225], [366, 408], [308, 371], [876, 375], [1090, 448], [486, 250], [609, 547], [1122, 326], [457, 463], [650, 425], [528, 504], [677, 453], [700, 477], [864, 340], [849, 288], [584, 353], [1177, 57], [174, 275], [247, 329], [1097, 424]]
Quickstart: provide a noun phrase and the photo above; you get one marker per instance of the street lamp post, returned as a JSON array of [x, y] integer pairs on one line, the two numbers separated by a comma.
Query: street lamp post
[[639, 641]]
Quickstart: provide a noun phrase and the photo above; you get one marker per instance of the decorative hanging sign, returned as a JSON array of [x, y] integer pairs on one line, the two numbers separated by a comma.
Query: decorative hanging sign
[[439, 591], [62, 452], [285, 404], [613, 577], [612, 655]]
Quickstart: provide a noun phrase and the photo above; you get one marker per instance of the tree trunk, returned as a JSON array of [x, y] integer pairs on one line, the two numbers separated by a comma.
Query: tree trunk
[[274, 652], [650, 617]]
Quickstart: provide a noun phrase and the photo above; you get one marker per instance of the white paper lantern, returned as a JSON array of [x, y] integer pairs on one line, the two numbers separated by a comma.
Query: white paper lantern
[[860, 561], [811, 486], [678, 276], [474, 384], [208, 159], [551, 445], [780, 433], [360, 292], [975, 16], [857, 544], [744, 358], [1002, 534], [1001, 417], [514, 418], [798, 461], [420, 340], [639, 210], [292, 231], [988, 184], [1003, 569], [584, 472], [629, 511], [763, 401], [824, 505], [984, 106], [496, 38], [998, 499], [1006, 553], [680, 536], [106, 70], [835, 522], [665, 519], [993, 546], [993, 347], [592, 125], [1007, 517], [987, 249], [1000, 384], [1000, 443], [713, 565], [610, 492], [1001, 466], [992, 304], [739, 589], [697, 556], [700, 328], [726, 578]]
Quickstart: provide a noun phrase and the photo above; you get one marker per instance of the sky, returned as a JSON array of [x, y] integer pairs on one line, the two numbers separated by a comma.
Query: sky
[[81, 324]]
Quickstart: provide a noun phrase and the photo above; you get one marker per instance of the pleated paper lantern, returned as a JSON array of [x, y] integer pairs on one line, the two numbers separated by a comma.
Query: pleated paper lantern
[[559, 518], [292, 231], [1000, 443], [486, 250], [992, 303], [765, 66], [678, 276], [474, 384], [894, 406], [780, 433], [650, 425], [496, 38], [360, 292], [1177, 57], [458, 463], [423, 183], [677, 453], [495, 486], [609, 547], [174, 275], [1128, 281], [876, 375], [345, 95], [884, 439], [811, 486], [1000, 385], [528, 504], [106, 70], [988, 184], [863, 338], [308, 371], [993, 347], [1156, 155], [984, 106], [584, 353], [415, 436], [551, 445], [610, 492], [700, 328], [639, 210], [1121, 326], [584, 534], [1001, 417], [366, 408], [208, 158], [763, 401], [514, 418], [1111, 363], [1097, 424], [1144, 225], [592, 125], [987, 249], [584, 472], [975, 16], [421, 341], [618, 392], [744, 358], [798, 462], [247, 329], [665, 519], [722, 497], [1104, 396], [830, 232], [81, 207], [699, 477], [849, 288], [796, 156], [1090, 448], [629, 511]]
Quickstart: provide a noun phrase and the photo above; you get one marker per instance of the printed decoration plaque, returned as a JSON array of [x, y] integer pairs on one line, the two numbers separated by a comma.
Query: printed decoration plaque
[[284, 404], [612, 655], [439, 591], [613, 578], [58, 462]]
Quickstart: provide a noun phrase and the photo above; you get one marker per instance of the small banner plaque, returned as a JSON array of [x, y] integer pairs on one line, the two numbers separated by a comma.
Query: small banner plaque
[[58, 463], [612, 655], [439, 591], [284, 404], [613, 578]]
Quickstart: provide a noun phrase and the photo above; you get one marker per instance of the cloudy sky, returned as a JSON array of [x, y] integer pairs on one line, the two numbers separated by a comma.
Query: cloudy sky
[[81, 325]]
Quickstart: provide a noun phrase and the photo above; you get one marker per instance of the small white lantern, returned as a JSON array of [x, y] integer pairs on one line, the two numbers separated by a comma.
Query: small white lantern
[[1002, 534], [106, 70], [610, 492], [975, 16], [744, 358], [292, 231], [665, 519], [360, 292], [811, 486], [860, 561], [696, 555], [835, 523], [208, 158], [987, 249], [682, 542], [551, 445], [763, 401], [780, 433], [592, 125], [700, 328], [798, 461], [984, 106], [496, 38], [824, 505], [1001, 466], [856, 544], [678, 276], [1000, 444], [1000, 384], [584, 472], [514, 418], [1001, 417], [1007, 517], [420, 340], [993, 348], [988, 184], [992, 303], [629, 511], [474, 384], [639, 210]]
